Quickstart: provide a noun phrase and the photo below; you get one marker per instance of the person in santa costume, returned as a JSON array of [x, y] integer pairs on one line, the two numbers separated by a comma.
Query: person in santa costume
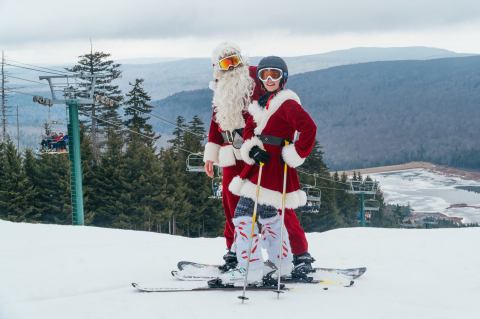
[[235, 85], [269, 138], [233, 88]]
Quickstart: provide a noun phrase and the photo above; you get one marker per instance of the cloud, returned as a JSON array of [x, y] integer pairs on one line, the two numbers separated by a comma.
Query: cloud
[[56, 20]]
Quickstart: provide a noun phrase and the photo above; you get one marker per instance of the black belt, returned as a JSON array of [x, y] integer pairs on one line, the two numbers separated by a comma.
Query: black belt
[[273, 140], [229, 136]]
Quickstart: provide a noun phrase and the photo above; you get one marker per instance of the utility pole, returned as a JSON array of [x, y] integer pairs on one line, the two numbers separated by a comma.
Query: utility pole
[[4, 100]]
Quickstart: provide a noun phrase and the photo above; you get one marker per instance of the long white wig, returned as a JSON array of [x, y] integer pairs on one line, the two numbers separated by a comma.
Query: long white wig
[[232, 89]]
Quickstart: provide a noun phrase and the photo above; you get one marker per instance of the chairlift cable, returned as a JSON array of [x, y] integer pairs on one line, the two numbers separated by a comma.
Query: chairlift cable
[[40, 67], [127, 129], [32, 69]]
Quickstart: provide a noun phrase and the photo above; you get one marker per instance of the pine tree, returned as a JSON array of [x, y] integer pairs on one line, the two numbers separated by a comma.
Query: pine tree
[[136, 112], [109, 187], [16, 191], [99, 64], [173, 190], [52, 182]]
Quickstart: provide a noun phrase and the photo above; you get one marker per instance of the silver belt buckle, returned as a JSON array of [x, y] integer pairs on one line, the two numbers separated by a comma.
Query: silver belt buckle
[[229, 136]]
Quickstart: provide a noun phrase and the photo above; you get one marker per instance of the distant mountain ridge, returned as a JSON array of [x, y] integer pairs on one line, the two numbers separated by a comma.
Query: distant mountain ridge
[[381, 113], [163, 79]]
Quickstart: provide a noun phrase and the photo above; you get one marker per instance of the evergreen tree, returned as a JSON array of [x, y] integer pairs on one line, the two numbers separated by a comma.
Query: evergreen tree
[[109, 186], [16, 191], [99, 64], [136, 112], [51, 180]]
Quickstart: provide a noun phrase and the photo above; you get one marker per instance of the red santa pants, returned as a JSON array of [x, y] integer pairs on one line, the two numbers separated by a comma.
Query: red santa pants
[[229, 201], [296, 234]]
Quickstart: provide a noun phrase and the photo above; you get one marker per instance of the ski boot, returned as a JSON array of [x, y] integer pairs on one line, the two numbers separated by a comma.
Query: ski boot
[[236, 277], [230, 261], [302, 265]]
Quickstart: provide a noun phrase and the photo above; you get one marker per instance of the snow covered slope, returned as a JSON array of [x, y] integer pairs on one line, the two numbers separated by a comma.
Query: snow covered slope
[[50, 271]]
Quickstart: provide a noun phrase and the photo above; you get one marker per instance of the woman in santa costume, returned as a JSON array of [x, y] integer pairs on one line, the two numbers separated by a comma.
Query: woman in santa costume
[[276, 118]]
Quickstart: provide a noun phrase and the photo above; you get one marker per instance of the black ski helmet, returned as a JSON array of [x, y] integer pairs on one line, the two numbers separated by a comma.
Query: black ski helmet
[[274, 62]]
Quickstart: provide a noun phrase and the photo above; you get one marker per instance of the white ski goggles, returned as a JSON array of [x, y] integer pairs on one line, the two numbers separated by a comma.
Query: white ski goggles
[[274, 74]]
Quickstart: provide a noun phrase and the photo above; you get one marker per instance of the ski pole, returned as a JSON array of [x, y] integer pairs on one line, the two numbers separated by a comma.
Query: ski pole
[[254, 220], [284, 192]]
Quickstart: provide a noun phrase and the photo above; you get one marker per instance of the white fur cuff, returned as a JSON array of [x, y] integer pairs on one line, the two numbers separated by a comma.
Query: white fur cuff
[[291, 157], [211, 152], [226, 156], [247, 146], [236, 185]]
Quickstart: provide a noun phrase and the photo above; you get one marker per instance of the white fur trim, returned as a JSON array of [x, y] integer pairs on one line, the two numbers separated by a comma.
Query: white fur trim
[[226, 156], [236, 185], [211, 152], [273, 198], [247, 146], [262, 115], [291, 157]]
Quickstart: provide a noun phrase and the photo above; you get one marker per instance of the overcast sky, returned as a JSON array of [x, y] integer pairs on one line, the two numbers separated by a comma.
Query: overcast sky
[[56, 31]]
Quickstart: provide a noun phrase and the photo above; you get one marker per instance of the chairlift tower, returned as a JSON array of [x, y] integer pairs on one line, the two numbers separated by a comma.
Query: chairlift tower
[[73, 101], [363, 188]]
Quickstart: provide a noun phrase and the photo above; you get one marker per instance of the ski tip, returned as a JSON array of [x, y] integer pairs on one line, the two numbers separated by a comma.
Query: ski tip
[[174, 273], [350, 284]]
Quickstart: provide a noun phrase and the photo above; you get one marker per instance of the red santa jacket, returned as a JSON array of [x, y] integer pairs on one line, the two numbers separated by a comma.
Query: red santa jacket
[[283, 118], [216, 150]]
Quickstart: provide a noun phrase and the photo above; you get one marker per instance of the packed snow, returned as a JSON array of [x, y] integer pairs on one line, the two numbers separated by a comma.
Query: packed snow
[[427, 191], [52, 271]]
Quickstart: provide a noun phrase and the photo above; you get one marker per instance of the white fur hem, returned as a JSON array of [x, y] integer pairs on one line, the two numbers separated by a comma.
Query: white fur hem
[[226, 156], [211, 152], [236, 185], [291, 157], [269, 197], [247, 146]]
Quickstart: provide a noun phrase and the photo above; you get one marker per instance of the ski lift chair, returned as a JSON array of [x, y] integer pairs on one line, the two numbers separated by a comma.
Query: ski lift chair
[[372, 205], [370, 186], [314, 199], [195, 163]]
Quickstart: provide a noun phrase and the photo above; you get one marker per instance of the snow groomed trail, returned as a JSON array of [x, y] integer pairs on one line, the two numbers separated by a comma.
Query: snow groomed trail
[[51, 271]]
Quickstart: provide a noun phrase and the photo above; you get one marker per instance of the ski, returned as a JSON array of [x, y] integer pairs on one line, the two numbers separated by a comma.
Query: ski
[[342, 281], [142, 288], [191, 271]]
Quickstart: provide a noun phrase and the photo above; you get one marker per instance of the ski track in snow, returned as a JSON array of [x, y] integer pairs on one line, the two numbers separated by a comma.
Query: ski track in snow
[[51, 271], [428, 191]]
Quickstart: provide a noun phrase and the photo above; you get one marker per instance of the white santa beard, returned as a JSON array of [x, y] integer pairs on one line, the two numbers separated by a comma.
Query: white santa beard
[[231, 97]]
